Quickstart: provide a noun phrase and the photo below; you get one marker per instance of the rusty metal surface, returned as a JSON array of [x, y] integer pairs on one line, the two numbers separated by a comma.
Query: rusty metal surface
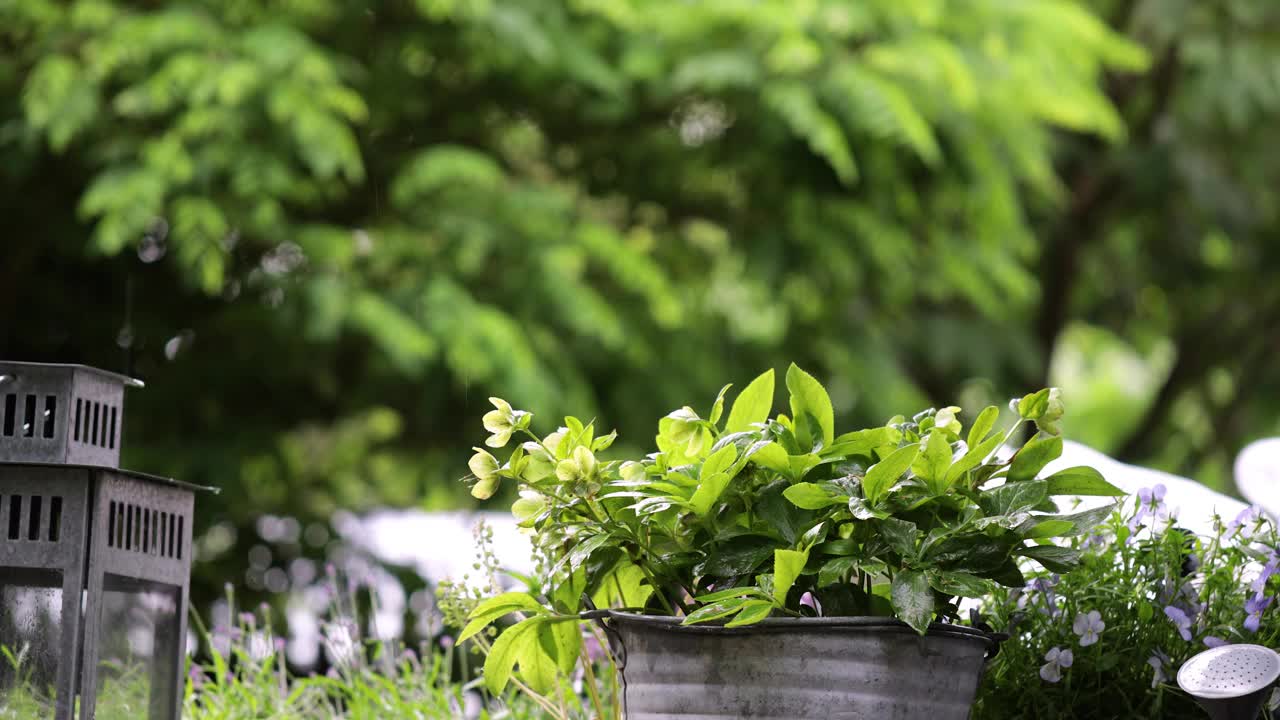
[[853, 668]]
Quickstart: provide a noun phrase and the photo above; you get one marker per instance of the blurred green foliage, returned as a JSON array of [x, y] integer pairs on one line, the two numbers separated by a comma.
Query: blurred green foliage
[[324, 232]]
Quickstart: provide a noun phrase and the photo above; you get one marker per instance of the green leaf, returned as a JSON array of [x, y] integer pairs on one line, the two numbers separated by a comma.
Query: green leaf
[[912, 599], [736, 592], [1008, 574], [514, 645], [861, 442], [881, 476], [808, 397], [773, 457], [752, 405], [1031, 459], [859, 508], [787, 566], [973, 458], [982, 425], [538, 666], [811, 496], [1077, 523], [833, 571], [933, 462], [960, 584], [752, 612], [1053, 557], [1033, 406], [800, 465], [900, 535], [561, 639], [798, 105], [1046, 529], [778, 515], [713, 478], [975, 553], [717, 408], [715, 611], [718, 462], [1082, 480], [495, 607], [1013, 497], [740, 557]]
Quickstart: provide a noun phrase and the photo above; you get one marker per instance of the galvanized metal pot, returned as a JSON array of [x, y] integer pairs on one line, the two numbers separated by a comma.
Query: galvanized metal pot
[[867, 667]]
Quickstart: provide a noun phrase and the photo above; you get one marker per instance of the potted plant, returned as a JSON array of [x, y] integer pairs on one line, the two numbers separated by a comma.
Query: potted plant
[[766, 565]]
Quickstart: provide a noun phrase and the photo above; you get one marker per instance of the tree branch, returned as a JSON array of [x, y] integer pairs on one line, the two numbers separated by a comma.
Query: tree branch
[[1094, 190]]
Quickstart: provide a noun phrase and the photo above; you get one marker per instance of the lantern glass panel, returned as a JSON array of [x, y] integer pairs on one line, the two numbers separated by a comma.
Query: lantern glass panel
[[30, 641], [137, 651]]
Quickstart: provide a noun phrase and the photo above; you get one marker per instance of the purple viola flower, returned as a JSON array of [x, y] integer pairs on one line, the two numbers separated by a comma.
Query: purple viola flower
[[1056, 659], [1180, 621], [1189, 600], [1260, 582], [1095, 540], [1150, 504], [1254, 607], [1044, 588], [1159, 663], [1088, 626], [1251, 516], [1213, 641], [196, 675]]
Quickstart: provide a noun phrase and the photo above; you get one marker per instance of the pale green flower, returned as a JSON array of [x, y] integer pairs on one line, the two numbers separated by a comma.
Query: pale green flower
[[946, 419], [1050, 421], [632, 471], [501, 422], [527, 509], [580, 467], [539, 464], [486, 469], [684, 427], [553, 440]]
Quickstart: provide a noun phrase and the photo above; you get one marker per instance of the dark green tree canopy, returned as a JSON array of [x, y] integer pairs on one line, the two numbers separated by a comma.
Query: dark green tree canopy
[[325, 232]]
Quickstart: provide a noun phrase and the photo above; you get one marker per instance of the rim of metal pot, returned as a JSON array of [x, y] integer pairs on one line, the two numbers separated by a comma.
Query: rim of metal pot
[[775, 625]]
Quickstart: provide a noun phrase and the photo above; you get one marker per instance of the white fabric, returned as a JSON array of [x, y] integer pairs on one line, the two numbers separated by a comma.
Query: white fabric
[[1257, 473], [1193, 503]]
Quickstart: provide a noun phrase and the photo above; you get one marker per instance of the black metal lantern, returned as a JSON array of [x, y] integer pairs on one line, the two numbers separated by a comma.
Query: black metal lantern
[[94, 561]]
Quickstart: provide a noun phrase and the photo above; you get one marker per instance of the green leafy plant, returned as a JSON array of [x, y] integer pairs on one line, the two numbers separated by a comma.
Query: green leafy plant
[[1107, 640], [744, 516]]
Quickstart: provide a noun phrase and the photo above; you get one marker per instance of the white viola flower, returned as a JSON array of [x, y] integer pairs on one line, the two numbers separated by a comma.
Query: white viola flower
[[1057, 659], [1088, 626]]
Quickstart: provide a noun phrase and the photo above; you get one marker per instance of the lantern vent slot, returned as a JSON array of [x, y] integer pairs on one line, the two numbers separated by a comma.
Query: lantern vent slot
[[10, 411], [144, 530], [50, 416], [29, 418], [33, 518], [55, 518], [15, 517]]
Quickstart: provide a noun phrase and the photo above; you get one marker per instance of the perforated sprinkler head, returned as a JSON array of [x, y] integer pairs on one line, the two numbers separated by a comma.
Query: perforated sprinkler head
[[1231, 682]]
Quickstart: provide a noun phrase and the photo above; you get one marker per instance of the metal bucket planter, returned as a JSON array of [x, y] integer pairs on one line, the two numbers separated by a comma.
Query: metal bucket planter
[[868, 667]]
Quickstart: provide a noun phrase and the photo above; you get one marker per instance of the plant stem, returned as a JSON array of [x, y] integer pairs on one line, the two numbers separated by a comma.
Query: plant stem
[[591, 684], [542, 701], [657, 589]]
